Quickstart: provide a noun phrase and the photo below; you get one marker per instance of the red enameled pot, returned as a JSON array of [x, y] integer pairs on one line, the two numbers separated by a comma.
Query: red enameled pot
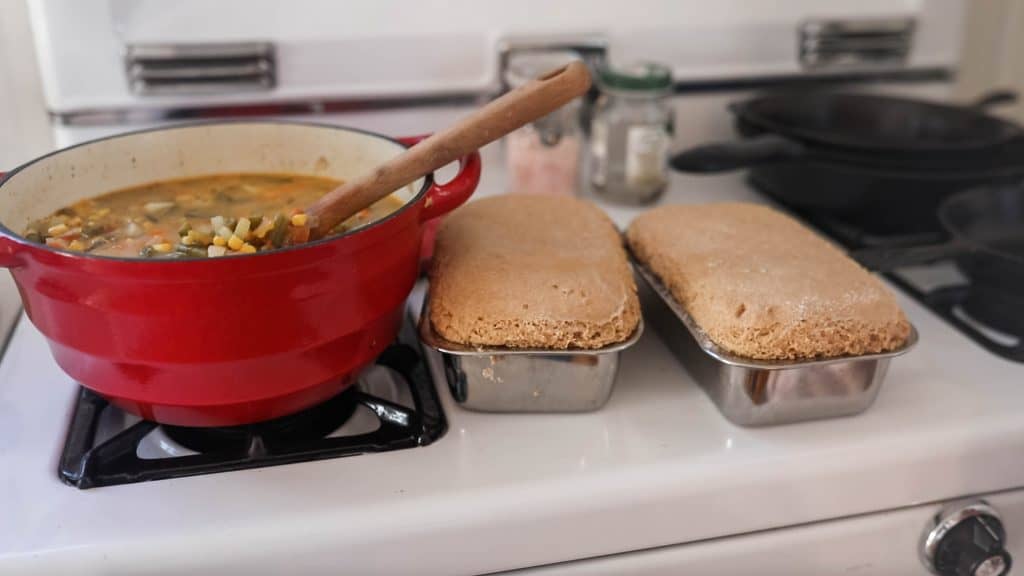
[[230, 340]]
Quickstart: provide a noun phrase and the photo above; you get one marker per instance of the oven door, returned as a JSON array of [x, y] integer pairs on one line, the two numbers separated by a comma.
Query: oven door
[[887, 543]]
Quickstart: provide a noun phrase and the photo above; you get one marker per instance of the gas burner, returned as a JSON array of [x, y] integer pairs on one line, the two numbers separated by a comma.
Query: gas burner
[[306, 426], [394, 406]]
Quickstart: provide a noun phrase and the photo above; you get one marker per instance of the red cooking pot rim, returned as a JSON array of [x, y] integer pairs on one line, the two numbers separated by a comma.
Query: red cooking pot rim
[[428, 181]]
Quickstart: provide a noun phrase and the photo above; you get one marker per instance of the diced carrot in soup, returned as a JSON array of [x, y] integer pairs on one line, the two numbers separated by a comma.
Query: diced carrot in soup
[[241, 213]]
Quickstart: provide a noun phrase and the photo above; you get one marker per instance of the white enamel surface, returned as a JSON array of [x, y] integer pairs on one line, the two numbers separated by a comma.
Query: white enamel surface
[[872, 545], [656, 466], [129, 160], [374, 48]]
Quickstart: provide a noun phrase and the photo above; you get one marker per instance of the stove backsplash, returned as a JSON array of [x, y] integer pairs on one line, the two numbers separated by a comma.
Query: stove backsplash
[[334, 50]]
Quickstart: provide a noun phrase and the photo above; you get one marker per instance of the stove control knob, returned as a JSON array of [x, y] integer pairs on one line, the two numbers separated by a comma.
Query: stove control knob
[[966, 538]]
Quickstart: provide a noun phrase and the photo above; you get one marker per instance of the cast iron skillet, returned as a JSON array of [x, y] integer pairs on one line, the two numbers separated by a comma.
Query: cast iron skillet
[[860, 120], [986, 239], [869, 128], [880, 189]]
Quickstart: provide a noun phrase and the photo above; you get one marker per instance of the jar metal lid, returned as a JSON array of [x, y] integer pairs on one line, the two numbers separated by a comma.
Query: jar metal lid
[[636, 77]]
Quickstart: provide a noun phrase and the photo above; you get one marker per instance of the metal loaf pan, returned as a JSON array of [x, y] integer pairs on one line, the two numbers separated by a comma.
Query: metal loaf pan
[[525, 380], [761, 392]]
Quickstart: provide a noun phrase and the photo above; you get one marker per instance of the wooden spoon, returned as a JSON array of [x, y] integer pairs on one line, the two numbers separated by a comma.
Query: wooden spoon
[[515, 109]]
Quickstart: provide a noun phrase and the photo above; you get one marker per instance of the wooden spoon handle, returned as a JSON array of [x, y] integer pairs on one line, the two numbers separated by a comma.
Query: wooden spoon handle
[[517, 108]]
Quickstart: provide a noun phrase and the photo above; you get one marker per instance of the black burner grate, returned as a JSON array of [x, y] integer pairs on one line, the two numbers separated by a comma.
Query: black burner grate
[[296, 438], [944, 301], [278, 434]]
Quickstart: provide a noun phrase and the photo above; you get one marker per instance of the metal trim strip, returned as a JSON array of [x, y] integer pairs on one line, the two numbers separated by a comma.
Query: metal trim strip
[[138, 115]]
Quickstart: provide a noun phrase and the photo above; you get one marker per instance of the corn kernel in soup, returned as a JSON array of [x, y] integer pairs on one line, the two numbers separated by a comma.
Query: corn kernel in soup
[[199, 217]]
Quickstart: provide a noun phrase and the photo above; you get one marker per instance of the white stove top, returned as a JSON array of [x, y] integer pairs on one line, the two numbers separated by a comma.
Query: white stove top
[[658, 465]]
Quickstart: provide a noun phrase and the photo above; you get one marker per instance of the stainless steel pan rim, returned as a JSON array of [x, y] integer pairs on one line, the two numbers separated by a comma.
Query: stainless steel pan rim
[[726, 357], [751, 392], [435, 341], [502, 379]]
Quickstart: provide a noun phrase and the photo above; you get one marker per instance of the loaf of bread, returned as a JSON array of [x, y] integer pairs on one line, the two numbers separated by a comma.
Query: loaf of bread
[[532, 271], [763, 286]]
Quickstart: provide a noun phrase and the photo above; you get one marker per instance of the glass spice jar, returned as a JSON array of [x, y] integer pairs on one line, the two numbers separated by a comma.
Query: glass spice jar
[[630, 133], [544, 157]]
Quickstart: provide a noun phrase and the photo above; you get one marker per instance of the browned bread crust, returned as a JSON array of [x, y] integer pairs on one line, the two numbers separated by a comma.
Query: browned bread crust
[[763, 286], [532, 271]]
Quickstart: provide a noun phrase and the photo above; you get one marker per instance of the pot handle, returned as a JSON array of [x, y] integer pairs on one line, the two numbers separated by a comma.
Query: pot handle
[[888, 259], [994, 98], [728, 156], [9, 254], [443, 198], [8, 249]]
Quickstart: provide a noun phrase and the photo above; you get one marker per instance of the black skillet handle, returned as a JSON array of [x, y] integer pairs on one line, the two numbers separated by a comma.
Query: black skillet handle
[[728, 156], [889, 259], [994, 98]]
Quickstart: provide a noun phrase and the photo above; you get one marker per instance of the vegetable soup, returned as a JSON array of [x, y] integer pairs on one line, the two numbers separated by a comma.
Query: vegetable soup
[[199, 217]]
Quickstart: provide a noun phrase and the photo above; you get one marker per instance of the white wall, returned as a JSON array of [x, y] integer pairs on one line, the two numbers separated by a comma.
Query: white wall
[[24, 125], [994, 51]]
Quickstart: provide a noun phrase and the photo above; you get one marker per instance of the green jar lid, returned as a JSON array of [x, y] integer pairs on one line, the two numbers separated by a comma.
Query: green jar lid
[[638, 77]]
